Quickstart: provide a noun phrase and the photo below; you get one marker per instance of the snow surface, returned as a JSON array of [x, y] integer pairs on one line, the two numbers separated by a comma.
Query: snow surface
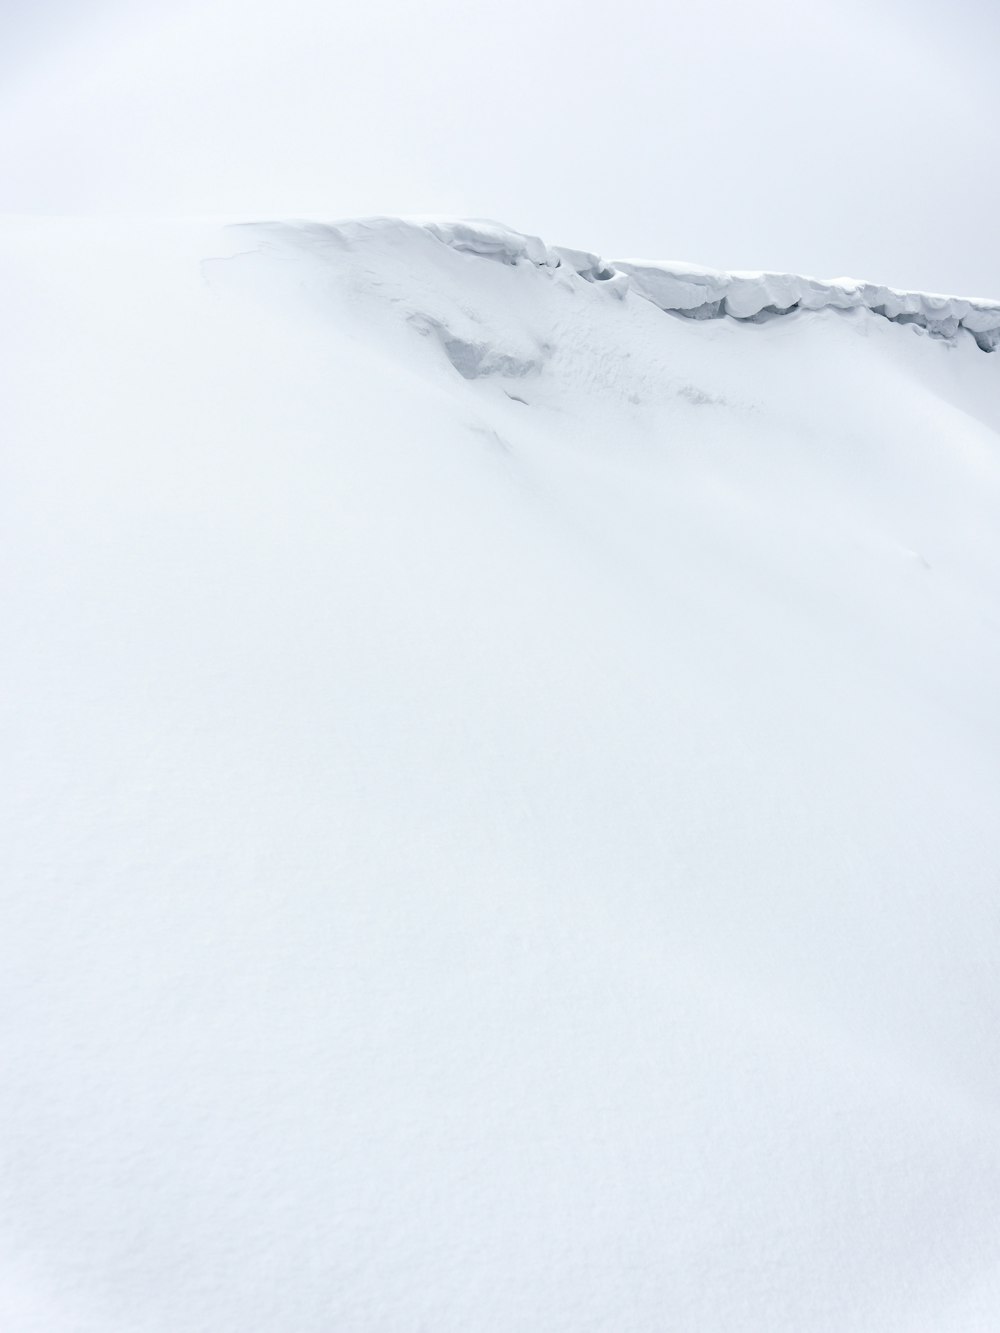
[[703, 293], [501, 790]]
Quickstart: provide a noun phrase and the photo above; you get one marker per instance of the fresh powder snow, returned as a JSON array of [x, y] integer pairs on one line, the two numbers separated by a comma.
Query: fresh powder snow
[[502, 766]]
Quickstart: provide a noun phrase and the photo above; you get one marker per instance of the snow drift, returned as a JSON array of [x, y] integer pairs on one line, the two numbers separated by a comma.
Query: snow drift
[[680, 289], [502, 789]]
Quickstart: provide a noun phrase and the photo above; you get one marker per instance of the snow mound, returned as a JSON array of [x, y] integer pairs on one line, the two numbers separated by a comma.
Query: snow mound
[[687, 289], [701, 293], [500, 811]]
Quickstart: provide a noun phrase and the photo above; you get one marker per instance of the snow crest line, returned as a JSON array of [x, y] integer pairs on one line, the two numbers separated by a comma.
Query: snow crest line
[[692, 292]]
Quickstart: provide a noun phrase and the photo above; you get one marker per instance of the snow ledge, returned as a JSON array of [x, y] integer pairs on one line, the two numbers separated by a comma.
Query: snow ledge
[[702, 293]]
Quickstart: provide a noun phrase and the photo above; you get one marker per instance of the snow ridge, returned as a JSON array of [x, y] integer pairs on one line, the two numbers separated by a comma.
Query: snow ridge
[[501, 803], [694, 292]]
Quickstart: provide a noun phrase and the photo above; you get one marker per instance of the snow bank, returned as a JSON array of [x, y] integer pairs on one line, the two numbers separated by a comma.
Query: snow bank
[[700, 293], [703, 293], [500, 794]]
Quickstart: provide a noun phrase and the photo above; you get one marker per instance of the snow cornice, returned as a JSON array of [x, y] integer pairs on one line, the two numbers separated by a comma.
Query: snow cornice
[[693, 292]]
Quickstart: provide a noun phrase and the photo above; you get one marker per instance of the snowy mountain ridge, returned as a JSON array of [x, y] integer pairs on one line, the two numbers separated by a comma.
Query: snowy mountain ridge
[[683, 289], [500, 819]]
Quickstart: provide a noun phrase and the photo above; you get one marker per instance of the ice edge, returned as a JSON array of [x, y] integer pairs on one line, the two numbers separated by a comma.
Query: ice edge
[[693, 292]]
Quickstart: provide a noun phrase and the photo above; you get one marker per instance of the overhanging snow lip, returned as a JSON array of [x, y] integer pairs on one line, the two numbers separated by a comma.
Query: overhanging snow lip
[[686, 289], [683, 289]]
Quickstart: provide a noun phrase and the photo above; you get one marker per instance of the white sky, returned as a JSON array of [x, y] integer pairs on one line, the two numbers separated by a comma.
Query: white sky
[[855, 137]]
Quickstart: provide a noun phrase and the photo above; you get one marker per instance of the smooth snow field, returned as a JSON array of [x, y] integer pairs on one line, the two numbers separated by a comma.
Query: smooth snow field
[[502, 791]]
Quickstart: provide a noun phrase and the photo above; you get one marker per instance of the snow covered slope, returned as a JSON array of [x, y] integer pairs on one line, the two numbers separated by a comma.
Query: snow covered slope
[[701, 293], [502, 790]]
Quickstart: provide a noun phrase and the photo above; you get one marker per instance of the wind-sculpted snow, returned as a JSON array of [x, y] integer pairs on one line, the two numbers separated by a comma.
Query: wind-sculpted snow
[[700, 293], [682, 289], [501, 787]]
